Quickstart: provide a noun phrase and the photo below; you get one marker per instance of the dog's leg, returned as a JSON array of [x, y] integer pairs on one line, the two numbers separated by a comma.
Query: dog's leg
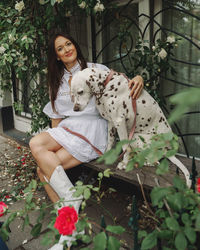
[[185, 171], [123, 135], [111, 135]]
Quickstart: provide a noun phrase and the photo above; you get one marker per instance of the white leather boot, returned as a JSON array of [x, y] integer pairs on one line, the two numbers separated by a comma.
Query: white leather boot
[[60, 182]]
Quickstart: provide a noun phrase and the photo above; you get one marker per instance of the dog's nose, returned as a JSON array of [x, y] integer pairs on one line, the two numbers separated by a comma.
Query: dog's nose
[[76, 108]]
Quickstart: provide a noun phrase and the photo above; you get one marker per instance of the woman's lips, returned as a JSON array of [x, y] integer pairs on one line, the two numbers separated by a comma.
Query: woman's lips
[[69, 54]]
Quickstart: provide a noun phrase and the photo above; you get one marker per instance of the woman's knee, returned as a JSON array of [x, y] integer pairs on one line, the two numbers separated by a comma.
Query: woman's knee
[[34, 145]]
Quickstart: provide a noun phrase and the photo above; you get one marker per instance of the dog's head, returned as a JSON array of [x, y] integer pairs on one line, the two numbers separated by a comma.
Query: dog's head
[[80, 91]]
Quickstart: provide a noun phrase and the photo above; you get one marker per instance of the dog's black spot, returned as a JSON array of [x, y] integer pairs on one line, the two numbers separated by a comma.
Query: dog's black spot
[[154, 102], [142, 118], [143, 101], [88, 83], [115, 96], [111, 96], [166, 124], [119, 83], [127, 119], [124, 105], [109, 110], [116, 89], [93, 70], [146, 125], [105, 95], [100, 76], [111, 79], [161, 119], [127, 110], [149, 119], [112, 102], [141, 130], [141, 125], [137, 114]]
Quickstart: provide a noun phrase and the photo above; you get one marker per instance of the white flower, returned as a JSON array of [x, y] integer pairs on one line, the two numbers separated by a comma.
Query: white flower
[[82, 5], [19, 6], [42, 2], [153, 48], [24, 38], [162, 54], [68, 13], [11, 38], [59, 1], [2, 50], [99, 7], [170, 39]]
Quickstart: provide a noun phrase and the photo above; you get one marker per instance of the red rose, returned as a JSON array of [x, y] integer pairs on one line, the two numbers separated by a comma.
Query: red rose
[[65, 221], [198, 185], [3, 208]]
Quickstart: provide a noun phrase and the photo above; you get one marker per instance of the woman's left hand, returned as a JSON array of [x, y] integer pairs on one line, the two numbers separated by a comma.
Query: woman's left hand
[[136, 85]]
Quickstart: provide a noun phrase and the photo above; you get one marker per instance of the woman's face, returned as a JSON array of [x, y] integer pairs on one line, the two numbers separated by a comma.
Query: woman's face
[[66, 51]]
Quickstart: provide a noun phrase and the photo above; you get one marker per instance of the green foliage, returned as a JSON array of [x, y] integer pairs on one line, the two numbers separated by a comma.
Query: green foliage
[[184, 100], [178, 223], [151, 62]]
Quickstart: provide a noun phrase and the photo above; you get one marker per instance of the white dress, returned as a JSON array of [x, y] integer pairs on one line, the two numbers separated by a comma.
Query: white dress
[[88, 122]]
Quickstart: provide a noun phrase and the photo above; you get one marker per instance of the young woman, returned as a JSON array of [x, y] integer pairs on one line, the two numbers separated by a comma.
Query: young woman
[[57, 150]]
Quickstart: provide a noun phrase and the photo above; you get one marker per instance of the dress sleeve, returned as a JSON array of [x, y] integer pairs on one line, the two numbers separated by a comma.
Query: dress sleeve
[[48, 110]]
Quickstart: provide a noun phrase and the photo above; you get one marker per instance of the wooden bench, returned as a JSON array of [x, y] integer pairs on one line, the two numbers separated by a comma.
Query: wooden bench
[[147, 173]]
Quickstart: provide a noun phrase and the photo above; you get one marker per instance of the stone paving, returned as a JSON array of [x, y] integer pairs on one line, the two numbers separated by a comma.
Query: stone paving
[[12, 152]]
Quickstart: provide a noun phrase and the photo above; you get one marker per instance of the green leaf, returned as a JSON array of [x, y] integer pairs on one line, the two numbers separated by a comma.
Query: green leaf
[[100, 241], [158, 194], [165, 234], [107, 172], [184, 100], [197, 222], [47, 239], [142, 234], [85, 238], [113, 243], [100, 175], [190, 234], [80, 225], [87, 193], [179, 183], [29, 198], [26, 222], [172, 224], [36, 229], [176, 201], [180, 241], [163, 167], [115, 229], [186, 219], [149, 241]]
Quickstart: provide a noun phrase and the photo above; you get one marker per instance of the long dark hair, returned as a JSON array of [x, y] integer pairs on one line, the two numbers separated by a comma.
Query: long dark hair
[[56, 67]]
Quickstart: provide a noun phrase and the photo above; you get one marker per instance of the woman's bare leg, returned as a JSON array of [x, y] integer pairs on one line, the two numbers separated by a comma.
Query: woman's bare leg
[[49, 154]]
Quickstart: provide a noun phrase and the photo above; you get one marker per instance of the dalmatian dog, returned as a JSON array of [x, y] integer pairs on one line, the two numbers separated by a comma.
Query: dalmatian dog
[[115, 105]]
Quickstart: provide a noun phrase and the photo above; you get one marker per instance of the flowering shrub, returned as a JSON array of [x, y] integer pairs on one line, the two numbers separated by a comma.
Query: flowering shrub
[[66, 220], [3, 208], [151, 62]]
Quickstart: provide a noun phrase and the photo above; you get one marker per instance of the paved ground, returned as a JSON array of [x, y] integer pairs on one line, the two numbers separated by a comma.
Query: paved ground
[[17, 165]]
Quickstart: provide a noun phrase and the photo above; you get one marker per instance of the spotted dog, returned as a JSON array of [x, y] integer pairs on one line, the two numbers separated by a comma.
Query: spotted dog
[[115, 105]]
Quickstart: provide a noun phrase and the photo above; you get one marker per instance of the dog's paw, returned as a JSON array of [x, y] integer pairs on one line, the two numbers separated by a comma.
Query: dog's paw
[[121, 165]]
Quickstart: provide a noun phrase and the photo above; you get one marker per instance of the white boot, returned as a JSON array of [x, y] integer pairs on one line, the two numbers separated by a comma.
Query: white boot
[[60, 182]]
